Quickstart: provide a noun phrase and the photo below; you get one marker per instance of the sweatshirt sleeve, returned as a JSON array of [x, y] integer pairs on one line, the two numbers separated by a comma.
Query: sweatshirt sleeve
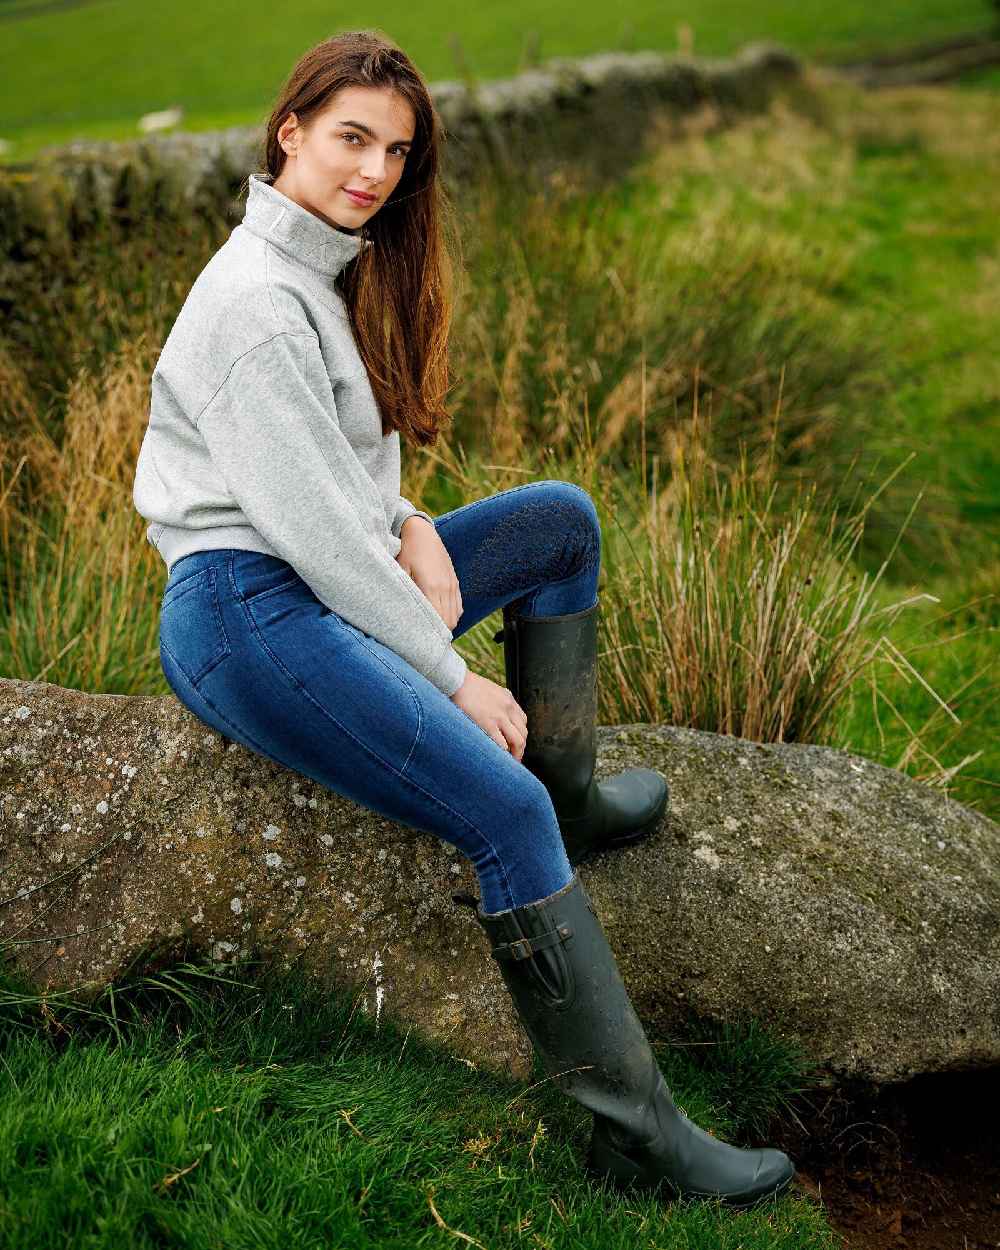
[[404, 510], [273, 434]]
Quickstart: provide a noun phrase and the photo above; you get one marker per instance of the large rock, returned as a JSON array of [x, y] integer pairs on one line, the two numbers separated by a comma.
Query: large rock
[[834, 899]]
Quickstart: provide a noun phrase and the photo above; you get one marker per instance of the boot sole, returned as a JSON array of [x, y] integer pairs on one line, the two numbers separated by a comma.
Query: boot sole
[[628, 1176], [623, 839]]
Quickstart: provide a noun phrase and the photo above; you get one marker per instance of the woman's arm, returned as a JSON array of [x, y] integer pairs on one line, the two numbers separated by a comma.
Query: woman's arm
[[273, 434]]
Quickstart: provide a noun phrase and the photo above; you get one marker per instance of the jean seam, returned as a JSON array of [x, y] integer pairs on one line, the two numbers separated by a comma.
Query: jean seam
[[232, 576], [226, 648], [273, 590], [413, 696], [217, 610], [262, 643], [183, 581]]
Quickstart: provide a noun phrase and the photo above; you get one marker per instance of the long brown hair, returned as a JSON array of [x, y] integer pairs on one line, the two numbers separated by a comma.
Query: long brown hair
[[398, 291]]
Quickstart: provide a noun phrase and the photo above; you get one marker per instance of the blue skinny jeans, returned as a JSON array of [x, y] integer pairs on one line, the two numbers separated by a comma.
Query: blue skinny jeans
[[248, 648]]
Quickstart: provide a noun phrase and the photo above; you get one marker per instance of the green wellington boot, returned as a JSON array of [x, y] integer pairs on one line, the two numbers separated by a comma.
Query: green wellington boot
[[551, 670], [562, 976]]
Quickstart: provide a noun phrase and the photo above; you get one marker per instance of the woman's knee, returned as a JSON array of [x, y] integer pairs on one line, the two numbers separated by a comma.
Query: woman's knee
[[530, 826], [528, 845], [579, 518], [531, 802], [571, 495]]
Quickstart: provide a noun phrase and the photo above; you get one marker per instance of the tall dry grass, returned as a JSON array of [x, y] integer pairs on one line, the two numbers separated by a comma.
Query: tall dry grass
[[78, 578], [718, 612]]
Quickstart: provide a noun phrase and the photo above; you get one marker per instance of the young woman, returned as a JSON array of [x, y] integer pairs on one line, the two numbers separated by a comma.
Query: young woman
[[309, 609]]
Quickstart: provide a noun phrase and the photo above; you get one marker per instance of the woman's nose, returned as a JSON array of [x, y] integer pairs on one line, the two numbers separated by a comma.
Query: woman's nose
[[376, 172]]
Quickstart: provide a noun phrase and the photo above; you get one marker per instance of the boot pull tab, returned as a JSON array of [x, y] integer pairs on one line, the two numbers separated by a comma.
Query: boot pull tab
[[508, 628]]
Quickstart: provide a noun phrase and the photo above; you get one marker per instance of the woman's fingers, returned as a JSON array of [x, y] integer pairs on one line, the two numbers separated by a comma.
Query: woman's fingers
[[517, 737]]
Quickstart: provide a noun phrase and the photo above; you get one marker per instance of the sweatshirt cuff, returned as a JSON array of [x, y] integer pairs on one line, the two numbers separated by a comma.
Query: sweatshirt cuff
[[450, 673], [406, 511]]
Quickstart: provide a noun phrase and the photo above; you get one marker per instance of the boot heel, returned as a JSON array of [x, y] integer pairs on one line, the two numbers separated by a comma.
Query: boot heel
[[603, 1160]]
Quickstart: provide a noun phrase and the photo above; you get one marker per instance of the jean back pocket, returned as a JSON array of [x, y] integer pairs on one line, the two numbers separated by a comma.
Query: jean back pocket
[[191, 625]]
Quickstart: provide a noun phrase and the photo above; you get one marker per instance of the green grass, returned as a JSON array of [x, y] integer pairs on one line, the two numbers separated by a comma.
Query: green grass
[[216, 1109], [894, 222], [979, 79], [942, 712], [108, 63]]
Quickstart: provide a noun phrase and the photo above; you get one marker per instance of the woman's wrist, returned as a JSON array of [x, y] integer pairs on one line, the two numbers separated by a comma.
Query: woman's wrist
[[422, 519]]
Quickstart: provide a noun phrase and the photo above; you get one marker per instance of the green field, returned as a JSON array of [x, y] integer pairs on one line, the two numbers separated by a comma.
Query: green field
[[105, 64]]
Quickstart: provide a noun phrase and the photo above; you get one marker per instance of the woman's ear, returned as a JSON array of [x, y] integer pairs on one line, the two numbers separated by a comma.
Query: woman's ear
[[285, 132]]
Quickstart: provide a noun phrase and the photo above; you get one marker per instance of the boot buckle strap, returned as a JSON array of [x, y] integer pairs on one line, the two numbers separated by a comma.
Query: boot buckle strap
[[523, 948]]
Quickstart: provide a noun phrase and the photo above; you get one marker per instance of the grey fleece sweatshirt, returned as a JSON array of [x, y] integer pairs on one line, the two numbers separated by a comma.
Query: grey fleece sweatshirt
[[264, 433]]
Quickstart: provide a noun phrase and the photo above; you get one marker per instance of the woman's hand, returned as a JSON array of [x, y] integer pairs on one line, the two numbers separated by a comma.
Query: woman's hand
[[495, 710], [425, 557]]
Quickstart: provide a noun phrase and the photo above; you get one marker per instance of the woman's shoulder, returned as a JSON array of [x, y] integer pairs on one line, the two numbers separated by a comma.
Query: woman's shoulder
[[245, 296], [235, 302]]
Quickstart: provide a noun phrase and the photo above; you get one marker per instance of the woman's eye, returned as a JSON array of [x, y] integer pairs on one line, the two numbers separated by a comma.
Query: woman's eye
[[351, 135]]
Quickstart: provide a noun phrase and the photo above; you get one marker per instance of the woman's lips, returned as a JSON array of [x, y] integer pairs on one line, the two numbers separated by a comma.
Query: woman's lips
[[359, 199]]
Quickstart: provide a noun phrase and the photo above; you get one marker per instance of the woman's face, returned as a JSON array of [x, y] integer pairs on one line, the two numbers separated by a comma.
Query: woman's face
[[358, 142]]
